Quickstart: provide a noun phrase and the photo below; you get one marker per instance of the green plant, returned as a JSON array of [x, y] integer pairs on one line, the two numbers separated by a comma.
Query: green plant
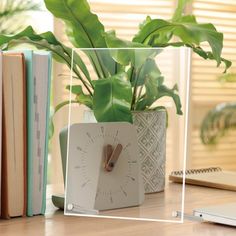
[[12, 14], [220, 119], [135, 92]]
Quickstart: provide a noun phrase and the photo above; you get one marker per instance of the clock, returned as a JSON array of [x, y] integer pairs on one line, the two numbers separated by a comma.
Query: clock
[[103, 168]]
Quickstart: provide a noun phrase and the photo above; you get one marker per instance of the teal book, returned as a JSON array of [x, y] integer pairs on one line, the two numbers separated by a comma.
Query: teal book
[[38, 107], [30, 117], [47, 132]]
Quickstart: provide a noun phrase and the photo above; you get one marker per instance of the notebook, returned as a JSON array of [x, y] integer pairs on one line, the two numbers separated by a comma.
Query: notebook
[[13, 193], [213, 177]]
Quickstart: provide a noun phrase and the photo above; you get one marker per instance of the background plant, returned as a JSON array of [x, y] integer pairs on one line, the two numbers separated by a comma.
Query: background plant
[[220, 119], [13, 14], [115, 93]]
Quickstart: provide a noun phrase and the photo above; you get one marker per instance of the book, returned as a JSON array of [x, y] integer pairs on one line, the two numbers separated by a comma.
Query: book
[[13, 193], [38, 93], [0, 125], [213, 177], [46, 141], [30, 118]]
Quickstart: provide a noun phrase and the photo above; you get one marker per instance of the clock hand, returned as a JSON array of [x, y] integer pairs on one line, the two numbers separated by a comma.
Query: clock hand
[[108, 152], [114, 157]]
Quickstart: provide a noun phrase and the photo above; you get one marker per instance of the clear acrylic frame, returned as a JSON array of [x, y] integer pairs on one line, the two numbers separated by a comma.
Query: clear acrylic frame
[[174, 64]]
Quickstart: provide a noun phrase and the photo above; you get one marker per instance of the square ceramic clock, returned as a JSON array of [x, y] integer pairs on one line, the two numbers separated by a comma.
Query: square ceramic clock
[[103, 169]]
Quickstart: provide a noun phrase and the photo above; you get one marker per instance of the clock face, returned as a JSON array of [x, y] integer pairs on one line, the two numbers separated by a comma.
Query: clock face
[[94, 182]]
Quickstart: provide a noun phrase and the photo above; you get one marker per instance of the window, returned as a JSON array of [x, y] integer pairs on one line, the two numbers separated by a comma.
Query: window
[[207, 91], [46, 19]]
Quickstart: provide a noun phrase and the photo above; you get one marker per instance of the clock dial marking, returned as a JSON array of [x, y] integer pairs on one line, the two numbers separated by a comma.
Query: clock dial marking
[[130, 177], [116, 135], [80, 149], [79, 167], [90, 137], [96, 195], [102, 129], [123, 191], [132, 162], [127, 146], [111, 199], [85, 183]]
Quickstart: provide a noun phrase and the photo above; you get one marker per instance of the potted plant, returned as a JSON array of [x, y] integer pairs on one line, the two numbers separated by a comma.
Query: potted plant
[[84, 30]]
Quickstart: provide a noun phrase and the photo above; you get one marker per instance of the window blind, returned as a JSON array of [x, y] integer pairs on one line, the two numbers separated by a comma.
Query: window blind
[[207, 91]]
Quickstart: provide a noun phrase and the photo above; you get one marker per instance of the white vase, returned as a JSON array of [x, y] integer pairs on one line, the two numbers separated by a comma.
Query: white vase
[[151, 133]]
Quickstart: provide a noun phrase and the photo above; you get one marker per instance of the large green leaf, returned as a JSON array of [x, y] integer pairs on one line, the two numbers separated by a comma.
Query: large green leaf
[[192, 32], [161, 37], [187, 30], [125, 52], [163, 91], [151, 85], [217, 122], [84, 30], [47, 41], [198, 50], [148, 70], [154, 92], [208, 55], [112, 99]]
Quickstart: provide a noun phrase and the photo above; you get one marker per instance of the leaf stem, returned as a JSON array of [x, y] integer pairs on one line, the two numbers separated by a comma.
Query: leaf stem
[[139, 96], [82, 80], [134, 90]]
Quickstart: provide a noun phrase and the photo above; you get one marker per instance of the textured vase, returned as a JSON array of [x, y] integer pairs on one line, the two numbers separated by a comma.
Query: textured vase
[[151, 131]]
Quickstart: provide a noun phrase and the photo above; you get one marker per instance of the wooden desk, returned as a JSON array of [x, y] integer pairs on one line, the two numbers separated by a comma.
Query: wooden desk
[[55, 223]]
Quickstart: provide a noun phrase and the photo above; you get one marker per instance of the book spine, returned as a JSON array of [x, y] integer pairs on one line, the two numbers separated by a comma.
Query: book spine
[[30, 118], [1, 108], [47, 133], [25, 134]]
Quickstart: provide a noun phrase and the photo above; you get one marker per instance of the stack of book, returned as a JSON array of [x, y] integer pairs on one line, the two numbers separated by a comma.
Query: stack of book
[[24, 114]]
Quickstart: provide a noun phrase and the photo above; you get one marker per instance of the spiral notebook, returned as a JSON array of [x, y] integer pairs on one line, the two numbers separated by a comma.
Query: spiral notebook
[[213, 177]]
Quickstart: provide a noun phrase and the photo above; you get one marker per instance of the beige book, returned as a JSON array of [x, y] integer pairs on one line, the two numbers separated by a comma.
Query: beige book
[[213, 177], [14, 136]]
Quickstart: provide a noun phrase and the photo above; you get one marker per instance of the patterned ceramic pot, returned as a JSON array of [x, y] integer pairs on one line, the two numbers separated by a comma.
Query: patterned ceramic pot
[[151, 131]]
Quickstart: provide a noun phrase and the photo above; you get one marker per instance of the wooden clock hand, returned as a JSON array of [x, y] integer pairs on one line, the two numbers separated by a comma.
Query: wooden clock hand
[[108, 152], [113, 158]]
